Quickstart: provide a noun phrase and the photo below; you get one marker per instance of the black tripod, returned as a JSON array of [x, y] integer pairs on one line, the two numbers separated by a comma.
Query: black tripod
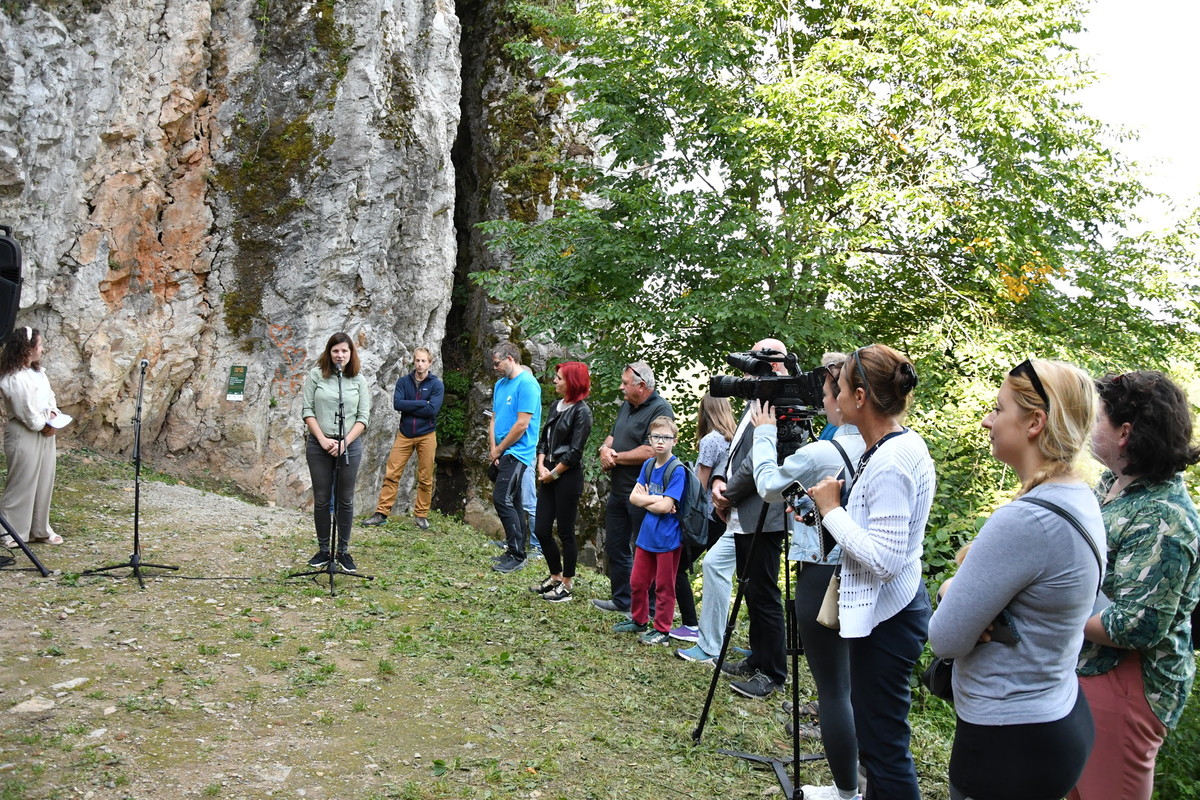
[[794, 428], [331, 567], [5, 560], [135, 558]]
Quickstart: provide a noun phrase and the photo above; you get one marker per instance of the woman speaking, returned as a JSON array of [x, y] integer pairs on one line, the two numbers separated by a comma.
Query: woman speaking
[[337, 408], [28, 438]]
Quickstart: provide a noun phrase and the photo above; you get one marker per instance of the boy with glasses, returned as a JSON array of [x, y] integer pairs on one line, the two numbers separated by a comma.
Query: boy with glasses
[[659, 490]]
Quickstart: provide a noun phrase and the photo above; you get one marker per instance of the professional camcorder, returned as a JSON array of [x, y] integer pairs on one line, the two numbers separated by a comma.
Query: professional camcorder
[[797, 397], [795, 389]]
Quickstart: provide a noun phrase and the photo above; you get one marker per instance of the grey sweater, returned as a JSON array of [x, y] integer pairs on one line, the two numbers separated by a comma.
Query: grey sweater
[[1034, 563]]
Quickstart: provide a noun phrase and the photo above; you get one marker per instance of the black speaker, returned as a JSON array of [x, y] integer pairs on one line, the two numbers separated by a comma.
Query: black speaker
[[10, 281]]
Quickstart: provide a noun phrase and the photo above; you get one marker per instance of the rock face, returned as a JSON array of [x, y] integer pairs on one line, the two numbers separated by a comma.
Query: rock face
[[210, 183]]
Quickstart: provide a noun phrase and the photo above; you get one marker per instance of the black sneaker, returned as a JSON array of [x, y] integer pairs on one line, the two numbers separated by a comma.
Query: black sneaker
[[375, 519], [319, 560], [509, 564], [422, 523], [545, 586], [758, 686], [559, 594], [346, 562], [739, 669]]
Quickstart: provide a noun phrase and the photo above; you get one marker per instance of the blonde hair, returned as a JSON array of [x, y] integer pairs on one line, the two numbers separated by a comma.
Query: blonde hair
[[715, 415], [663, 423], [1069, 419]]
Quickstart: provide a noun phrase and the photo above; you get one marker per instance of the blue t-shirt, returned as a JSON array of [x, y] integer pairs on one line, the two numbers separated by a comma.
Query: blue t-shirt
[[660, 533], [513, 396]]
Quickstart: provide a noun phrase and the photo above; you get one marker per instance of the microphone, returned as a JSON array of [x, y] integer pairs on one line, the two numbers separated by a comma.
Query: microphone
[[337, 368], [145, 363]]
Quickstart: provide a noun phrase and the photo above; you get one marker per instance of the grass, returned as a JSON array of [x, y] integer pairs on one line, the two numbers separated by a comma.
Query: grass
[[439, 679]]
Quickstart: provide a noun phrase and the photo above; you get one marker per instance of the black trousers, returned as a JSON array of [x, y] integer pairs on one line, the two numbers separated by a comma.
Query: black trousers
[[758, 563]]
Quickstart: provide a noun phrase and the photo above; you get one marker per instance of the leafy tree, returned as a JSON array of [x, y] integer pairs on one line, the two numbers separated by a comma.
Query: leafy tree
[[908, 171]]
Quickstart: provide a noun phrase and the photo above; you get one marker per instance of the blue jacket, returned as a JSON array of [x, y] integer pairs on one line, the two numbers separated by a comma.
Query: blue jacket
[[418, 407]]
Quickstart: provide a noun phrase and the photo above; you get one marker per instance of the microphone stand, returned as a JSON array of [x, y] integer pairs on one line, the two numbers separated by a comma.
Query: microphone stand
[[332, 568], [135, 558]]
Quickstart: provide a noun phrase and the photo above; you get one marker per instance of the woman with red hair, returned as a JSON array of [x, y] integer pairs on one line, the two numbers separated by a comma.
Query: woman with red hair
[[560, 477]]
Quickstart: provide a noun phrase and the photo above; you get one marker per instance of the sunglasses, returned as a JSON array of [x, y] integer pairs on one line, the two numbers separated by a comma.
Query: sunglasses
[[862, 374], [1025, 369], [636, 374]]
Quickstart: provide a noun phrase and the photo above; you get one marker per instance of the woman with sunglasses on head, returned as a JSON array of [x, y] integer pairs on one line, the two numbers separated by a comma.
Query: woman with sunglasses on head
[[1138, 665], [337, 408], [1013, 619], [28, 439], [883, 606]]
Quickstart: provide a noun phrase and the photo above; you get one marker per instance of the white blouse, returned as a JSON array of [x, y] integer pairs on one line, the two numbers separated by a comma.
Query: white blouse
[[882, 531], [28, 397]]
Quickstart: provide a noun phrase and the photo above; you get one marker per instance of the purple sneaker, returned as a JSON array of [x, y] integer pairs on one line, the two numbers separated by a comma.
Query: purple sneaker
[[686, 633]]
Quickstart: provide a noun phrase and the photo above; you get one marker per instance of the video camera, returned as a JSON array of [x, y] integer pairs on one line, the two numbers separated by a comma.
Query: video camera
[[795, 389], [797, 397]]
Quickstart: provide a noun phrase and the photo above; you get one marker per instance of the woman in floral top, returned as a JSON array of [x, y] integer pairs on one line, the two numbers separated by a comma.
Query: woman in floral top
[[1137, 664]]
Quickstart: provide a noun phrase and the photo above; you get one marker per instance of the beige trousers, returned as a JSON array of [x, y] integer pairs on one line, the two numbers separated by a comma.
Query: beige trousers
[[31, 466]]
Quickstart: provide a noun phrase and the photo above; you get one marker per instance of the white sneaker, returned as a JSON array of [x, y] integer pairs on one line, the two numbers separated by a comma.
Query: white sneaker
[[823, 793]]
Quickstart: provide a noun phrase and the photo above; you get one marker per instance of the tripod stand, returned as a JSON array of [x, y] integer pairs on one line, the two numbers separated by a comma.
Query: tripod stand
[[24, 548], [793, 429], [135, 558], [331, 567]]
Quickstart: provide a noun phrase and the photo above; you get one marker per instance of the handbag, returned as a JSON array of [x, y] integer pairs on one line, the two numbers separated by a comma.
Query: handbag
[[938, 678], [828, 613]]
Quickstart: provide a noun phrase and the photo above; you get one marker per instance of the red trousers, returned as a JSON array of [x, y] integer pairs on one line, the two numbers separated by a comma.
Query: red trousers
[[659, 568]]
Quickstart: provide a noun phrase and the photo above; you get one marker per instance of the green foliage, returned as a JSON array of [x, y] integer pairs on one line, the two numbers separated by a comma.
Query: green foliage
[[1177, 771], [841, 173], [452, 419]]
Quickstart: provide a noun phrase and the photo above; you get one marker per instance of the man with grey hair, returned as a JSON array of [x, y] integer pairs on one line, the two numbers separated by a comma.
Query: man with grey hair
[[622, 456]]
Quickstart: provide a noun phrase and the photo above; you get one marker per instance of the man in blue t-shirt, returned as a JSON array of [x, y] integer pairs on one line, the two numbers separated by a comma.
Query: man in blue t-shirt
[[513, 435]]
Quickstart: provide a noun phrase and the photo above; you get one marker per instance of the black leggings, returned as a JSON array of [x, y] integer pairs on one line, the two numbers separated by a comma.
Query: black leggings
[[1035, 761], [683, 581], [321, 470], [558, 501]]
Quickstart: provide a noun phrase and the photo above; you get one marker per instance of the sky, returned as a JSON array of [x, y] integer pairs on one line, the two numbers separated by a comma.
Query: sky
[[1149, 65]]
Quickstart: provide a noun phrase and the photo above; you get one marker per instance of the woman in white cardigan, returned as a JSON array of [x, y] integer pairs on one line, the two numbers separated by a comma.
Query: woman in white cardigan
[[883, 606], [28, 439]]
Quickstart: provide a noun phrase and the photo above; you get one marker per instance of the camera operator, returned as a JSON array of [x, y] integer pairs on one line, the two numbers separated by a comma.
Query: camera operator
[[826, 651], [736, 498]]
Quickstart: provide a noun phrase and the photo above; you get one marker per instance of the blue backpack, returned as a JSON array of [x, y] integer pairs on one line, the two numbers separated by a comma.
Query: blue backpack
[[693, 523]]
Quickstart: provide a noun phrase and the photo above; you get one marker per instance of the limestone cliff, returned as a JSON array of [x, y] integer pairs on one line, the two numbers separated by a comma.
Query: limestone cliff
[[210, 183]]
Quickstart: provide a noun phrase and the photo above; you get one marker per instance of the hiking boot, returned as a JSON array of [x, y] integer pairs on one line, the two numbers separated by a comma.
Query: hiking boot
[[696, 655], [739, 669], [346, 562], [422, 523], [685, 633], [375, 519], [508, 564], [757, 686], [559, 594], [319, 560], [653, 636], [629, 626]]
